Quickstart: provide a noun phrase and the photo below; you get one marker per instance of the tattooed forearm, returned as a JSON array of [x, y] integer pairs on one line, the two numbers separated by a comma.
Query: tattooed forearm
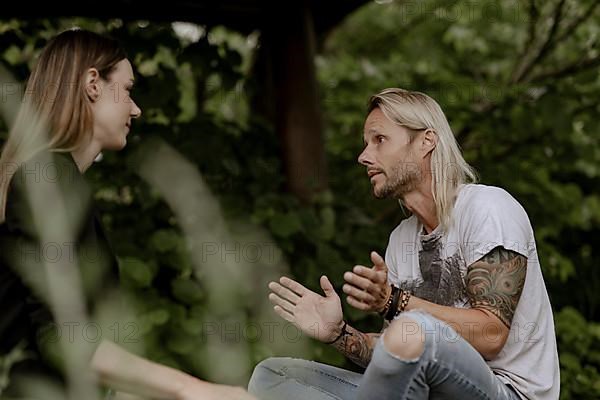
[[357, 346], [495, 282]]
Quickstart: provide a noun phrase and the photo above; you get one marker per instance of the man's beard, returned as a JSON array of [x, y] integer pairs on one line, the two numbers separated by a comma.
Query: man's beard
[[403, 178]]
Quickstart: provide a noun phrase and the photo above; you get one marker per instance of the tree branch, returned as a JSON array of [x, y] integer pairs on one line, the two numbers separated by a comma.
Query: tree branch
[[576, 22], [570, 69], [526, 67], [534, 15]]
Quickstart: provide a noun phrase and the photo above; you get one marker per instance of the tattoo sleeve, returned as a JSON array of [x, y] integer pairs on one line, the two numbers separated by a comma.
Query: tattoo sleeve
[[495, 282], [357, 346]]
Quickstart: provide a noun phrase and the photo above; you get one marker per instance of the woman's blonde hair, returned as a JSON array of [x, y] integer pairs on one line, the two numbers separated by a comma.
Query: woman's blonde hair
[[416, 111], [55, 113]]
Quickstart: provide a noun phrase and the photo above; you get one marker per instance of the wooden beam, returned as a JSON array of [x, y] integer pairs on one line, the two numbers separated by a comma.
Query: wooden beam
[[244, 16], [288, 51]]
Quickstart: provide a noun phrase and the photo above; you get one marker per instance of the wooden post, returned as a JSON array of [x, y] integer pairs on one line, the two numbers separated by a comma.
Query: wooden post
[[289, 79]]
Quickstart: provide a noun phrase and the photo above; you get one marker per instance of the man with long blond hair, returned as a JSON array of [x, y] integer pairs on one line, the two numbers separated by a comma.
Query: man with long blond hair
[[465, 308]]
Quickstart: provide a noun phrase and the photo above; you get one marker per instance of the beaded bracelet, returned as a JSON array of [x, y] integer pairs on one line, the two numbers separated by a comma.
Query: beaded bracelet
[[404, 299], [388, 303], [391, 313]]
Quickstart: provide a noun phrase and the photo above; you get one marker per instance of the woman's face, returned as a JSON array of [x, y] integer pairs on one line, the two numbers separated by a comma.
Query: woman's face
[[113, 108]]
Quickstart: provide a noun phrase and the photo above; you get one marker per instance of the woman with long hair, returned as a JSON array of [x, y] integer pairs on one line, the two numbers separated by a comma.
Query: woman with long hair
[[55, 260]]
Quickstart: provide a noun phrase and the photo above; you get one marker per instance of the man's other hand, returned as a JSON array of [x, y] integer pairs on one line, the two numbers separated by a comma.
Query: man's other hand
[[368, 288], [318, 316]]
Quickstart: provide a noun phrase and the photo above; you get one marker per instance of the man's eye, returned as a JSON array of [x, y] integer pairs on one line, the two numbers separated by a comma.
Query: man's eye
[[380, 139]]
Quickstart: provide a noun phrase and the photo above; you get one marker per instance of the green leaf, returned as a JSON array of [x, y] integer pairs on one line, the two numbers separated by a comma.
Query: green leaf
[[158, 317], [285, 225], [165, 240], [327, 228], [136, 272], [187, 291], [181, 343]]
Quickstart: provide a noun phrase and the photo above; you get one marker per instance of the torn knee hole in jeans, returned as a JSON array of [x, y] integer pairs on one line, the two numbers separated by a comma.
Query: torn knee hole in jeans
[[402, 357]]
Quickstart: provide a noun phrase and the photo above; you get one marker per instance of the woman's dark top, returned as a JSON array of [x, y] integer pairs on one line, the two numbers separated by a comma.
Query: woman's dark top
[[49, 188]]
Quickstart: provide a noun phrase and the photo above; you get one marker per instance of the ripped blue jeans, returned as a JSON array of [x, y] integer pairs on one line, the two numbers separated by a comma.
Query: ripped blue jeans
[[447, 369]]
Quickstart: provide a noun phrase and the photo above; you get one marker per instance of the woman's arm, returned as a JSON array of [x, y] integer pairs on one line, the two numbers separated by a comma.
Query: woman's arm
[[126, 372]]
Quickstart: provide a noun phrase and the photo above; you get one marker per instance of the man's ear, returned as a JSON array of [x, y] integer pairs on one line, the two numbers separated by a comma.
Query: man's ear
[[92, 84], [428, 141]]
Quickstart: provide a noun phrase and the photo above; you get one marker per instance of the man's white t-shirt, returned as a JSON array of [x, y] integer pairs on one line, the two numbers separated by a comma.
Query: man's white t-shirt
[[434, 268]]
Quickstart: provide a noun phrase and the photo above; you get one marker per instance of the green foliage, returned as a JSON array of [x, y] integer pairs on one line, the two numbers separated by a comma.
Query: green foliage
[[526, 123], [528, 126], [579, 344]]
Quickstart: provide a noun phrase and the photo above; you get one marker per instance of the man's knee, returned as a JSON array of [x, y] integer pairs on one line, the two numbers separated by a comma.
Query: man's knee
[[265, 373], [404, 338]]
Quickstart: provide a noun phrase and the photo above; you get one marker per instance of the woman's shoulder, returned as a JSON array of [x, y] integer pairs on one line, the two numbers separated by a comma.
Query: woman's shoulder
[[49, 184], [47, 168]]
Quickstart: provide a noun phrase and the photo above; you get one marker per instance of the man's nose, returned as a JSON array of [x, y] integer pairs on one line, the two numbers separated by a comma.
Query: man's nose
[[364, 158]]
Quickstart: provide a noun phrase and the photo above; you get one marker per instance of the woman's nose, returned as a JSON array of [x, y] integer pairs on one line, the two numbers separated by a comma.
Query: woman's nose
[[135, 110]]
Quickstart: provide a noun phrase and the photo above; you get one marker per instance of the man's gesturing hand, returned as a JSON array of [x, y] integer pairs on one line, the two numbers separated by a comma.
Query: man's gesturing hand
[[368, 288], [318, 316]]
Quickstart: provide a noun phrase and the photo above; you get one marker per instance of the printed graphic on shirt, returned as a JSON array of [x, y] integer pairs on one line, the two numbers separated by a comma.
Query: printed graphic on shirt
[[441, 281]]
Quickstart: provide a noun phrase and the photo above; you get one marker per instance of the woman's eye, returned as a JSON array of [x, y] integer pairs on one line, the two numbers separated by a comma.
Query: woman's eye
[[380, 139]]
